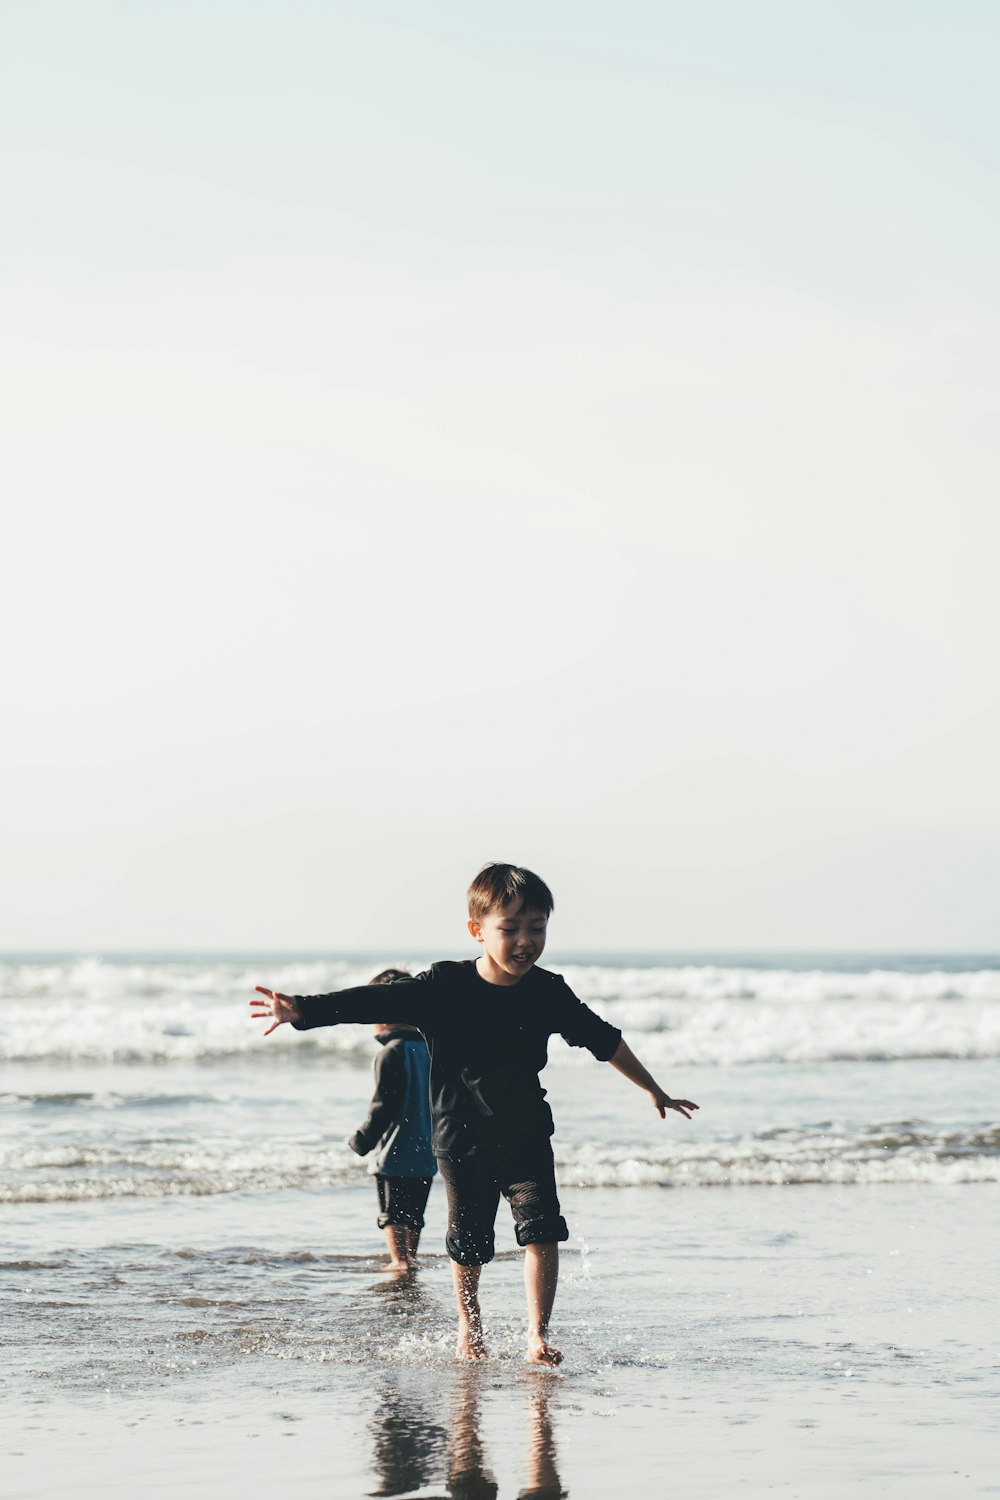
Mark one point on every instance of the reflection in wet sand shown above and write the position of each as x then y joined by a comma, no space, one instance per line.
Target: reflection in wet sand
412,1451
543,1475
409,1449
469,1477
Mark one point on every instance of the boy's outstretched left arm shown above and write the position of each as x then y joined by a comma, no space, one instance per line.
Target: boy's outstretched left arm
625,1060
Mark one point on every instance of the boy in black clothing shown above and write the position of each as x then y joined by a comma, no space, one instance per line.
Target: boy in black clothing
487,1023
398,1129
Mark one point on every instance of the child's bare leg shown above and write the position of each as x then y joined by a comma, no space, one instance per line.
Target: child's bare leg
470,1323
541,1274
396,1239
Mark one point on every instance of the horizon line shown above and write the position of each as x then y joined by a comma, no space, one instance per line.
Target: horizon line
98,950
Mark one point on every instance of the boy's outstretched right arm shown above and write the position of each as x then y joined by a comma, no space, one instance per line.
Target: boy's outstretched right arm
282,1007
360,1004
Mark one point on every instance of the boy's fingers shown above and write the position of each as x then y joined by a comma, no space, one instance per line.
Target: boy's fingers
262,991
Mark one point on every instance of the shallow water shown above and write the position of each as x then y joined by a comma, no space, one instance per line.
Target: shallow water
797,1339
793,1293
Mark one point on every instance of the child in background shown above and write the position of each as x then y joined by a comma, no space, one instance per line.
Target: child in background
399,1127
487,1023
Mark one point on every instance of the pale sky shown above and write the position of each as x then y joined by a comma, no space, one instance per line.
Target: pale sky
558,432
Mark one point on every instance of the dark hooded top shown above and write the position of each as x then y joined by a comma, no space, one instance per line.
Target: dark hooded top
398,1126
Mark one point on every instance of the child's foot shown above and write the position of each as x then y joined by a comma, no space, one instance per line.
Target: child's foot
541,1353
396,1267
470,1343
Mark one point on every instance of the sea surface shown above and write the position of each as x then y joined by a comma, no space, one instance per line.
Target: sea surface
794,1292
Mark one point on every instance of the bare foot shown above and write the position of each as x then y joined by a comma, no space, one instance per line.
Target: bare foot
396,1267
541,1353
470,1343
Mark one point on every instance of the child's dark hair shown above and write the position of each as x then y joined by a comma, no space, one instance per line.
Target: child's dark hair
498,885
389,976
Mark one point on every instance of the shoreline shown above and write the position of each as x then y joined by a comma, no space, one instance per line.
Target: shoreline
780,1343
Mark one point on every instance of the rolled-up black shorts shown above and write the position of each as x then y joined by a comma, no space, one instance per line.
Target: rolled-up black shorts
402,1201
526,1176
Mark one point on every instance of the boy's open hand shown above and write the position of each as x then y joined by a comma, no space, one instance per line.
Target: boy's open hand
281,1007
663,1102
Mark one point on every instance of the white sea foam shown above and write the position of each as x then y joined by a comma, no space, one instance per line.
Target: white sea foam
834,1154
96,1010
794,1156
707,982
115,980
58,1172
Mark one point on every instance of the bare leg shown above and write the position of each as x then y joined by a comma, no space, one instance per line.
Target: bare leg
396,1239
470,1323
412,1241
541,1273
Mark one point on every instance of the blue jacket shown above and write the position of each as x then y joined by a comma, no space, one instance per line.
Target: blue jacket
398,1126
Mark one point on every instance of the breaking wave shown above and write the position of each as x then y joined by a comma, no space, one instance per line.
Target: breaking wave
827,1153
100,1010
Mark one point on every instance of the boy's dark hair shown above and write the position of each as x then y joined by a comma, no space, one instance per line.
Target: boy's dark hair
498,885
389,976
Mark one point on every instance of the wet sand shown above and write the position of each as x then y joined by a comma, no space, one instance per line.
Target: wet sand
785,1342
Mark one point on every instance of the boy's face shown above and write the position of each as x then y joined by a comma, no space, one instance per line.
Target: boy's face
512,942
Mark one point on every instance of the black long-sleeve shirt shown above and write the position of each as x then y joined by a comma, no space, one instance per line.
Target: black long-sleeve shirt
487,1042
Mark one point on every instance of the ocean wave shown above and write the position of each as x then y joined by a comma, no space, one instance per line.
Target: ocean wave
713,982
94,1010
98,978
671,1033
727,1033
121,979
61,1173
829,1154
